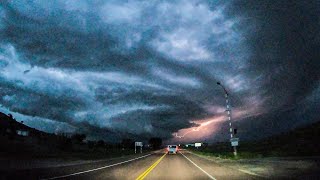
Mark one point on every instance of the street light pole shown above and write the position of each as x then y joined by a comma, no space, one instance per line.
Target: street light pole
228,110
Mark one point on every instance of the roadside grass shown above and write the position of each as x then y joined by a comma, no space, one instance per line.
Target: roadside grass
17,149
253,150
247,151
85,155
229,155
76,155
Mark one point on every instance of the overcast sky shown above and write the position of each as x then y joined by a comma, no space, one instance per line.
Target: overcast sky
135,69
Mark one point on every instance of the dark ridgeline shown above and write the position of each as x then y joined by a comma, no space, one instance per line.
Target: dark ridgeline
12,128
21,141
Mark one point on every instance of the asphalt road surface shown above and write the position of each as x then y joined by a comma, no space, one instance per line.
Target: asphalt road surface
157,165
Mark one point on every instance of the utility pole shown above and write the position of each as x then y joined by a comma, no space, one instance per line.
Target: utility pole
228,110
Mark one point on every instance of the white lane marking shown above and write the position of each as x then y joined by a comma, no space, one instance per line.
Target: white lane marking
82,172
211,177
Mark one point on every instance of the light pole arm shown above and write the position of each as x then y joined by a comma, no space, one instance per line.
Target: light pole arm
224,89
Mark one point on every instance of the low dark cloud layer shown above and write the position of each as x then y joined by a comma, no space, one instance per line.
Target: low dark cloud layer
137,69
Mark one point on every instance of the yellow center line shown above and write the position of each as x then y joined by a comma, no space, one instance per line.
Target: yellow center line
145,173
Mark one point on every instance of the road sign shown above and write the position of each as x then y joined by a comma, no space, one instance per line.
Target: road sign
234,141
197,144
138,144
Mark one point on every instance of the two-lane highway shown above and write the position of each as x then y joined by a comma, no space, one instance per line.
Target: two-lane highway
185,165
159,165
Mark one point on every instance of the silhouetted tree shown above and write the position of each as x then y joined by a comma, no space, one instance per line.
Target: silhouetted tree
155,142
79,137
100,143
90,144
12,128
127,143
65,144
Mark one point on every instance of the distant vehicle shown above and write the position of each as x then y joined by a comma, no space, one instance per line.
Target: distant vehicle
172,149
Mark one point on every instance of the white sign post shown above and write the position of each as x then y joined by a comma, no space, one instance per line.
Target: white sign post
138,144
234,142
197,145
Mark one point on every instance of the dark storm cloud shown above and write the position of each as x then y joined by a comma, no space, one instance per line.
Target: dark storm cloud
116,69
284,40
